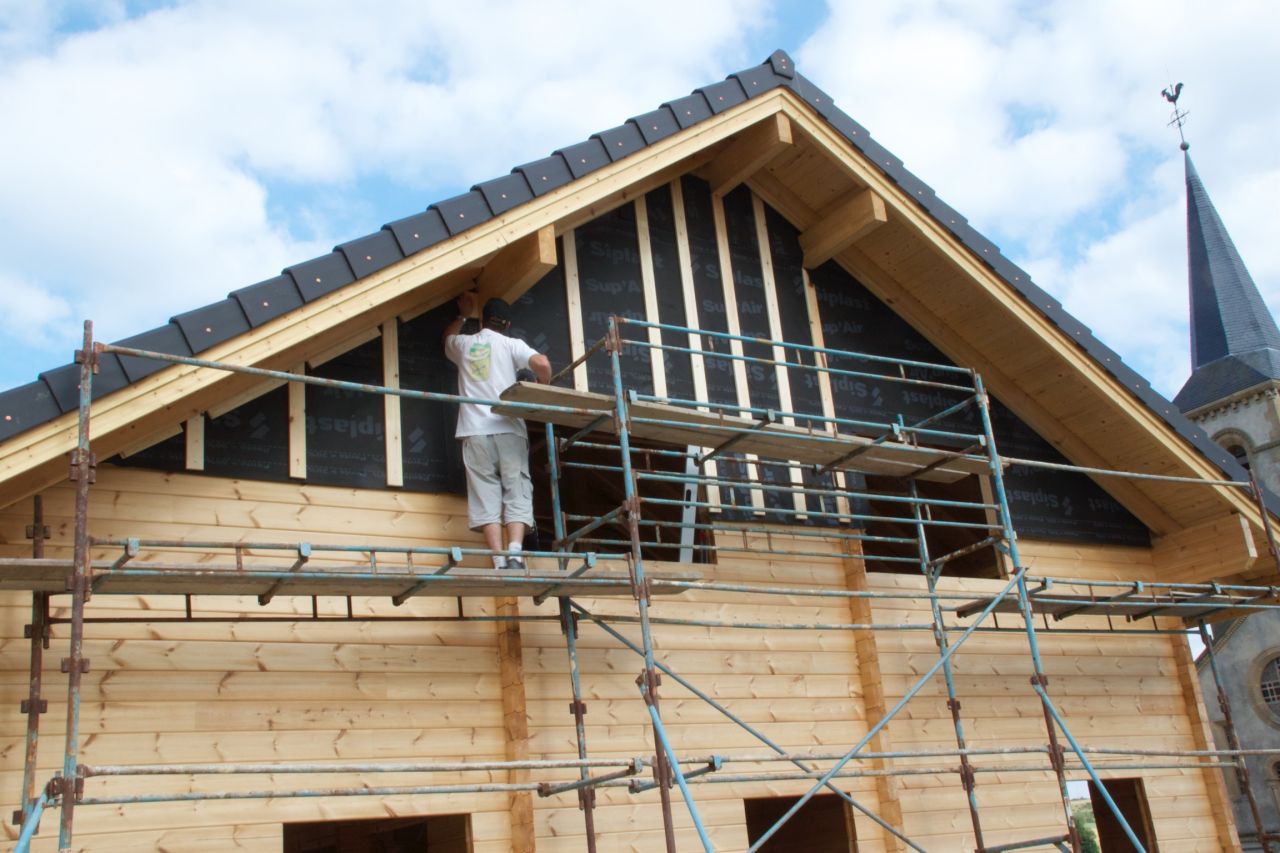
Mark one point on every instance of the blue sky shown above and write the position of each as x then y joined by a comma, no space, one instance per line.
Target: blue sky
168,153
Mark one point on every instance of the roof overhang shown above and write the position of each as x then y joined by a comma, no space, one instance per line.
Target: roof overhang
949,289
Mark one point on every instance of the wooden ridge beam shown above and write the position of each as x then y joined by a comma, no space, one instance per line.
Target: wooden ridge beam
848,221
519,266
750,152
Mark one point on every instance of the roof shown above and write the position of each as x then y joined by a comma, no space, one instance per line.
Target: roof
247,308
1235,343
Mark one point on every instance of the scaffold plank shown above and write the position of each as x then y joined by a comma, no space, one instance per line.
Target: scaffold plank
681,426
162,578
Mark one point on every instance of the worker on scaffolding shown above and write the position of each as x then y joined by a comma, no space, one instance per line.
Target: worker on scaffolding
495,448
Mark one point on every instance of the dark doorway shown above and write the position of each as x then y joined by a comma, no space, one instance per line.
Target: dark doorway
1130,796
824,824
438,834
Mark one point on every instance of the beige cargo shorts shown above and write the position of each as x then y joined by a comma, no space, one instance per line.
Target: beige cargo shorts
499,490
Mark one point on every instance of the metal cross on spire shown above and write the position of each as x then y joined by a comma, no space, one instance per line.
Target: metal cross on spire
1171,95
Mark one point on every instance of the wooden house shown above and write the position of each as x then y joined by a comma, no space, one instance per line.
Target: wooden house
278,635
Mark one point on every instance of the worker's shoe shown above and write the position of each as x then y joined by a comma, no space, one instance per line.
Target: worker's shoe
515,564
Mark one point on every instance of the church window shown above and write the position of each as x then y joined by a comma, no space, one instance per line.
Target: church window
1270,685
1240,453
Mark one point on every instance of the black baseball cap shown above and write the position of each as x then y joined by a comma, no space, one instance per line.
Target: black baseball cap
497,309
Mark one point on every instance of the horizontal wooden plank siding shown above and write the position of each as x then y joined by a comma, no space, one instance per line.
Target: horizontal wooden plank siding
306,691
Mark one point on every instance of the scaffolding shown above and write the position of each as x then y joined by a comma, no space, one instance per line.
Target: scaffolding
737,467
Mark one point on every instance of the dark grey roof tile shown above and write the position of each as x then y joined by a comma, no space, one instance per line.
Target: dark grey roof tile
782,64
621,140
321,275
502,194
723,95
268,299
585,157
417,232
815,97
463,211
212,324
656,125
167,339
546,174
690,109
64,381
760,79
371,253
25,407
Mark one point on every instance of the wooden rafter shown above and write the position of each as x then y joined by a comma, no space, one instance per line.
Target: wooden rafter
754,149
519,266
853,218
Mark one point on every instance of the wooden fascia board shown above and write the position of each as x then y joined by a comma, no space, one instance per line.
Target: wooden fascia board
31,460
519,266
1186,459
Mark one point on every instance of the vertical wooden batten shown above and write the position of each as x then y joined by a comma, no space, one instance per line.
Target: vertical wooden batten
515,722
871,680
573,295
780,354
696,364
298,426
391,403
658,359
735,328
195,443
824,378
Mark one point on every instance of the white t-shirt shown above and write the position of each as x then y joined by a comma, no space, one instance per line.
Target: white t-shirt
487,364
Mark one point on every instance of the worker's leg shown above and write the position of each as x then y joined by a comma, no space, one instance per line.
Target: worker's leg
517,488
484,491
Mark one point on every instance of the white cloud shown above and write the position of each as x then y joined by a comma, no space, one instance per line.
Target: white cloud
162,158
170,157
1042,123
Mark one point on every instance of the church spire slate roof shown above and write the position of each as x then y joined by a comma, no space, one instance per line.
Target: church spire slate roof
1235,343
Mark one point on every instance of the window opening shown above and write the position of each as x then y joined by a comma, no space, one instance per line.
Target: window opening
436,834
1269,684
1130,797
823,825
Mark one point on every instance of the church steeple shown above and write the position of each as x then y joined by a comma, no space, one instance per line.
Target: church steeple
1235,343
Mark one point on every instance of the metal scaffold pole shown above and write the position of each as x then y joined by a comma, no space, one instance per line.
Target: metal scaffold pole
631,417
649,679
967,779
35,704
83,467
569,627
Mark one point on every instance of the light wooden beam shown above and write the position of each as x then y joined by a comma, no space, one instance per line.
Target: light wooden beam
871,680
733,321
519,266
573,297
658,357
515,723
1214,550
195,443
238,400
149,441
391,403
298,426
845,224
342,348
750,152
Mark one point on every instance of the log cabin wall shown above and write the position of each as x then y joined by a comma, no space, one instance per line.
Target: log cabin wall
300,691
